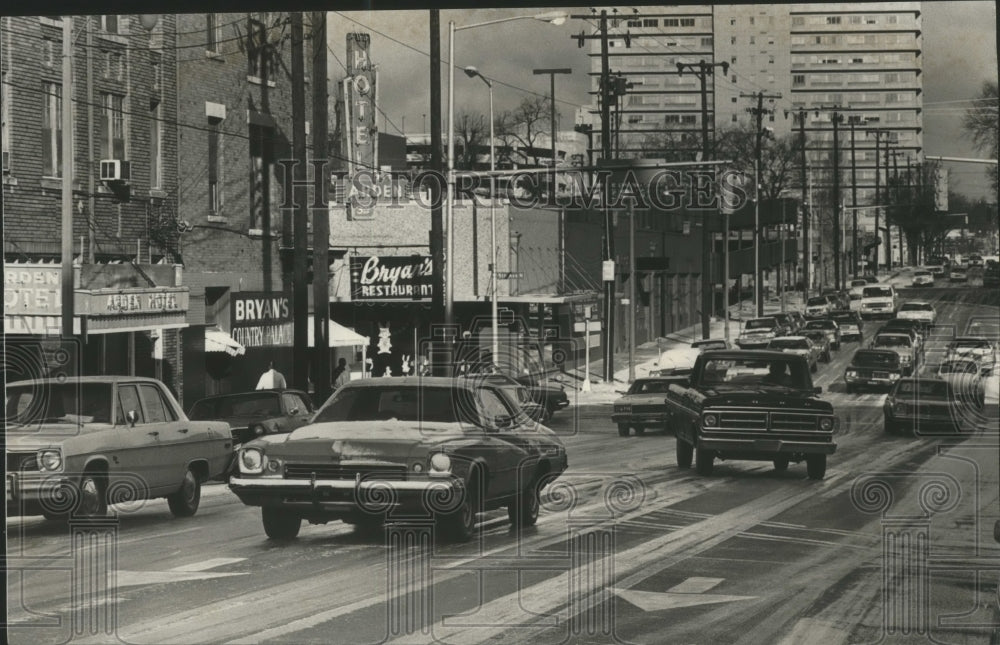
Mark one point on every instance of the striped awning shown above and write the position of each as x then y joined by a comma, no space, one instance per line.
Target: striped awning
217,340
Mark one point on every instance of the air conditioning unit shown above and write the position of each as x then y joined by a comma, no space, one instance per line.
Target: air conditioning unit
115,170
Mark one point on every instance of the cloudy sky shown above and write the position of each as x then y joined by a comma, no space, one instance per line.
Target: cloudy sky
959,54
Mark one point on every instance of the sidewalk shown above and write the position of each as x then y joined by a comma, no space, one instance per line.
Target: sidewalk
647,355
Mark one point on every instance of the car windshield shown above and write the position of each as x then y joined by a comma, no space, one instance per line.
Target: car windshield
649,386
51,402
916,306
815,334
922,273
403,403
815,301
958,270
788,343
820,324
761,323
252,404
959,367
756,372
858,283
926,389
877,292
971,344
864,358
893,340
848,319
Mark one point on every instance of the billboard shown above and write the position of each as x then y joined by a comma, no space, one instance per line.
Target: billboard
391,278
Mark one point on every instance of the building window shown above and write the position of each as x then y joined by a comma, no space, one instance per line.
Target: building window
157,68
5,99
734,118
855,20
798,79
110,24
212,32
260,177
112,126
733,79
687,22
214,196
798,21
117,69
891,20
630,23
734,99
49,52
770,60
706,41
732,40
732,61
51,130
155,147
732,22
671,22
833,20
751,20
650,22
256,48
753,40
892,77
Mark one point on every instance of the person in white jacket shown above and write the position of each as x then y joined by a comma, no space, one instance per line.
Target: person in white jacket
272,379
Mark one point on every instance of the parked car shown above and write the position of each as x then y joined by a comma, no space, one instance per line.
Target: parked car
958,274
938,265
758,332
850,324
818,306
643,405
991,274
408,444
873,368
975,260
253,414
755,405
676,362
76,444
800,346
827,326
857,286
922,278
903,344
977,348
820,340
551,396
879,301
528,408
837,299
922,312
870,279
710,343
923,405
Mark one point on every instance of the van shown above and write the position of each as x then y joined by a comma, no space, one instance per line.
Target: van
879,301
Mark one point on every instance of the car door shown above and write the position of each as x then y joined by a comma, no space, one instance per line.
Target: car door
173,448
297,411
504,452
134,463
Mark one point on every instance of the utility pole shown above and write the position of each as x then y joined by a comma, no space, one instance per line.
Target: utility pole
437,220
608,329
878,133
66,273
300,292
703,70
836,117
800,116
888,227
758,113
896,204
321,217
552,118
854,120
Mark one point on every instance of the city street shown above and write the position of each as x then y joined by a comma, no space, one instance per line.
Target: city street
895,543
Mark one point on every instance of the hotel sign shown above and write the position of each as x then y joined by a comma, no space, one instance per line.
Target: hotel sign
261,319
360,100
391,278
32,289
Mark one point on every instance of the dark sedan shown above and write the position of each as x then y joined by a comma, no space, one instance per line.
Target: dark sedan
923,406
254,414
551,397
873,368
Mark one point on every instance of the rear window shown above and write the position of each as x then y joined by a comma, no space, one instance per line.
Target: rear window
877,292
959,367
761,323
264,404
929,389
798,343
893,340
814,301
649,386
875,359
915,306
821,324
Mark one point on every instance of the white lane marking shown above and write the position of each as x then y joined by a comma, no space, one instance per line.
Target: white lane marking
659,601
696,585
204,565
137,578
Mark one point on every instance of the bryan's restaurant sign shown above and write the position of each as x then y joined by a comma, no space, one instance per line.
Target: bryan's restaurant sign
392,278
261,319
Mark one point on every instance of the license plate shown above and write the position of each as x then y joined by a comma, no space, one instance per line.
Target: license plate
873,383
11,483
767,445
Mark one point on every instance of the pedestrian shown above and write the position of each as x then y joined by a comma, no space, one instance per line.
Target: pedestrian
272,379
340,375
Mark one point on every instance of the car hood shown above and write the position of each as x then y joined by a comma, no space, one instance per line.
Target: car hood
765,397
245,421
756,332
914,315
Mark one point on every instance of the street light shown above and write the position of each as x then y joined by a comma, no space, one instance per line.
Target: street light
553,17
472,72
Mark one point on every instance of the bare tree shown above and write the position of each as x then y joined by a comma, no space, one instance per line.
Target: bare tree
779,157
473,131
980,125
522,128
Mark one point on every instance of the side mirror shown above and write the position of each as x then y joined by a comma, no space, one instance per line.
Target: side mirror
132,417
502,421
293,411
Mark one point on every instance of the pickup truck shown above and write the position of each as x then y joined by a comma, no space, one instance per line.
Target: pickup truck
753,405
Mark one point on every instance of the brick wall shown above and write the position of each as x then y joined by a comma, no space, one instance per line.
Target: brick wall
32,202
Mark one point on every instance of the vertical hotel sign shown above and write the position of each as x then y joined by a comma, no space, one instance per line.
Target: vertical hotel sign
360,92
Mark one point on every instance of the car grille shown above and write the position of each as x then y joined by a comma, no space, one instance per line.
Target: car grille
646,409
880,375
776,421
21,461
338,471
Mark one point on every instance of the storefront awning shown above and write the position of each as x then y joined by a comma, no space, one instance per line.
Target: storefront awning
217,340
339,336
547,298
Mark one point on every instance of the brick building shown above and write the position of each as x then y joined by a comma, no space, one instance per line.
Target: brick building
128,305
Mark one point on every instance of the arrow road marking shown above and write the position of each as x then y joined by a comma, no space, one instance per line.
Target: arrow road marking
689,593
193,571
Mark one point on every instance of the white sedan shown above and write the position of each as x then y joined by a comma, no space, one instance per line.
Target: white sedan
923,278
976,348
918,310
965,376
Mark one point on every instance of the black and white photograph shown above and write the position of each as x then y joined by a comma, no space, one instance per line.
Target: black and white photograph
361,324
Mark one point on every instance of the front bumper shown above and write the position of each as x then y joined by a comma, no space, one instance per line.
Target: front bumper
34,493
765,448
344,497
639,418
869,314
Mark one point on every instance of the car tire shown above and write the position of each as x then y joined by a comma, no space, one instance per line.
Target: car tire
704,461
780,464
185,502
639,430
622,429
523,512
280,523
460,525
814,367
816,466
827,357
92,500
685,452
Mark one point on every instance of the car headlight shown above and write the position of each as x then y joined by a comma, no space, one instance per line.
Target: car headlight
49,460
850,374
252,461
826,424
893,376
905,358
440,463
273,466
259,430
710,420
